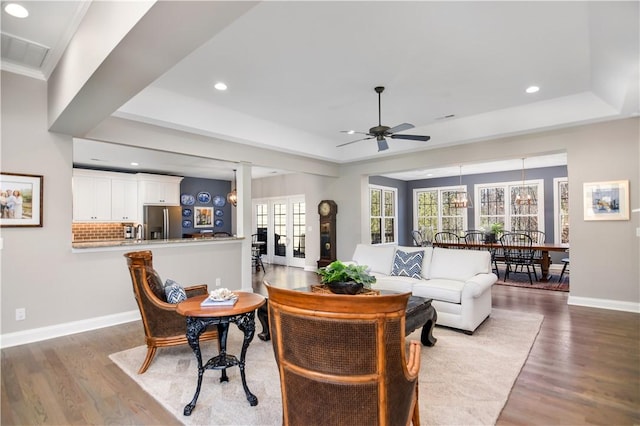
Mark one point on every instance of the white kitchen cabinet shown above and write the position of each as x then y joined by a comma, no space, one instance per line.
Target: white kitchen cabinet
158,189
124,199
91,197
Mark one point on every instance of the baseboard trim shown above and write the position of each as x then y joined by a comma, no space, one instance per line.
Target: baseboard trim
616,305
44,333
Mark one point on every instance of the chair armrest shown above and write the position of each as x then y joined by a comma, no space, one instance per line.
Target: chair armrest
413,364
478,284
196,290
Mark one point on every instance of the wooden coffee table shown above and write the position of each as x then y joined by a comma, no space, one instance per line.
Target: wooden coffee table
198,319
419,313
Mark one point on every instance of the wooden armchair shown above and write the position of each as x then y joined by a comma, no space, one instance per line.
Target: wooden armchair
342,360
162,325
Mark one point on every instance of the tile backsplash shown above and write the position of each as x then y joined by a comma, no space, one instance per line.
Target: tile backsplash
97,231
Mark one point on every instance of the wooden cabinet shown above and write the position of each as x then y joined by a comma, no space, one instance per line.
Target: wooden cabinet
124,199
91,197
158,189
102,196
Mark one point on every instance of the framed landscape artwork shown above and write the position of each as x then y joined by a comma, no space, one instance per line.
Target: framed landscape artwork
606,200
20,200
203,217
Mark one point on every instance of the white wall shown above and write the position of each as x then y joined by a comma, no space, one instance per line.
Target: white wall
38,270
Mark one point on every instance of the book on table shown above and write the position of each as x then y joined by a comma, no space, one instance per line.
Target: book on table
208,302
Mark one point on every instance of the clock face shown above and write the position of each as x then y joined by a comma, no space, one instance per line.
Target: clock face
325,209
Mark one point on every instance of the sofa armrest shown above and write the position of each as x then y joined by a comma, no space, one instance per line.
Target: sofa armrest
478,284
196,290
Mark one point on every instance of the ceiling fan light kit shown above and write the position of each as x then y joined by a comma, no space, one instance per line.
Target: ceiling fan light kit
380,132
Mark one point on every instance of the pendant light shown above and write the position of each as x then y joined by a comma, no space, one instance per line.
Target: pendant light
460,199
232,197
524,197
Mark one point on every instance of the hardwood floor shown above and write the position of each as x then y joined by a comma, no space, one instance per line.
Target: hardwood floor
584,368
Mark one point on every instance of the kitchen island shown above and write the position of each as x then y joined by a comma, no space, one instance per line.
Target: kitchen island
137,244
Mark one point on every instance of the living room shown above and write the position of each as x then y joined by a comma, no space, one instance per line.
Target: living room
65,292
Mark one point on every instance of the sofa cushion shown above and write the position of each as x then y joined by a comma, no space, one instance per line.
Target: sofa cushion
393,283
440,289
379,258
453,264
426,259
407,264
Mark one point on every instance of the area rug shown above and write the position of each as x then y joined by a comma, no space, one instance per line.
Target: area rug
463,379
521,279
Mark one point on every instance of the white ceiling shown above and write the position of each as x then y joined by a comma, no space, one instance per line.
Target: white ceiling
300,72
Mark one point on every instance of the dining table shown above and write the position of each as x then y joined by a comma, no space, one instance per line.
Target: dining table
544,248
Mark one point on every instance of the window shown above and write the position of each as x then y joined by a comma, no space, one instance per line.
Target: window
382,207
495,203
435,211
561,210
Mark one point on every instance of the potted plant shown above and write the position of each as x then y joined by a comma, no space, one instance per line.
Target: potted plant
495,230
344,278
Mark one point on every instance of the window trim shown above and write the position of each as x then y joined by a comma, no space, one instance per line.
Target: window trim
508,185
440,190
395,209
557,223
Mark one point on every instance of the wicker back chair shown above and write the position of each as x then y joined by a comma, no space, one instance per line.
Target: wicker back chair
163,326
342,358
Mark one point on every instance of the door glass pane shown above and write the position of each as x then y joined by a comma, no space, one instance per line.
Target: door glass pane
261,225
299,225
280,229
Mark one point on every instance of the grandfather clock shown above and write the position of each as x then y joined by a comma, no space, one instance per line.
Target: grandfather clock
327,209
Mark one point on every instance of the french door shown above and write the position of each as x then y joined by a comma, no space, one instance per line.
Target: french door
283,220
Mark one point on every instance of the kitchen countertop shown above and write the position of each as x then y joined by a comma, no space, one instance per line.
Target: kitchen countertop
115,244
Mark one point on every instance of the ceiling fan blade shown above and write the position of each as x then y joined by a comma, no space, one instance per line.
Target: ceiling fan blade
411,137
357,140
400,128
382,144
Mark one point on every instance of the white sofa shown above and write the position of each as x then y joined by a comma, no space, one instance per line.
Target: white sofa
458,281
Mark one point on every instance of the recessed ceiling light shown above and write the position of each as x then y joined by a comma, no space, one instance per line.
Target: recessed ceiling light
220,86
532,89
16,10
350,132
134,163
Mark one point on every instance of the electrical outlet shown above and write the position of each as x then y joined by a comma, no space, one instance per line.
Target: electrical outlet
21,314
218,282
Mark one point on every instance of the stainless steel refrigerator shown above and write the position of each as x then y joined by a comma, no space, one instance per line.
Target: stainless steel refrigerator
161,222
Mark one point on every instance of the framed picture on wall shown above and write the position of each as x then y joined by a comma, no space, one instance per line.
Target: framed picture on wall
606,200
20,200
203,217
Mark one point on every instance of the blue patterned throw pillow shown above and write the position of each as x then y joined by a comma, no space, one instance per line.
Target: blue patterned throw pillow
174,293
408,264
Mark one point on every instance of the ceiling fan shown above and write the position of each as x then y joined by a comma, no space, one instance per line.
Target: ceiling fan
380,132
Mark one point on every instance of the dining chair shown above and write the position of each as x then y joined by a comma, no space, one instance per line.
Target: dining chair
565,266
445,237
518,252
538,237
417,238
475,241
256,256
342,359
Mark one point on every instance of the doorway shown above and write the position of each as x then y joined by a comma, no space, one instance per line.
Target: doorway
281,223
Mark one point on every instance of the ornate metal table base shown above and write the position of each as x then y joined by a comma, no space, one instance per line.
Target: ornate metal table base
420,313
222,361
